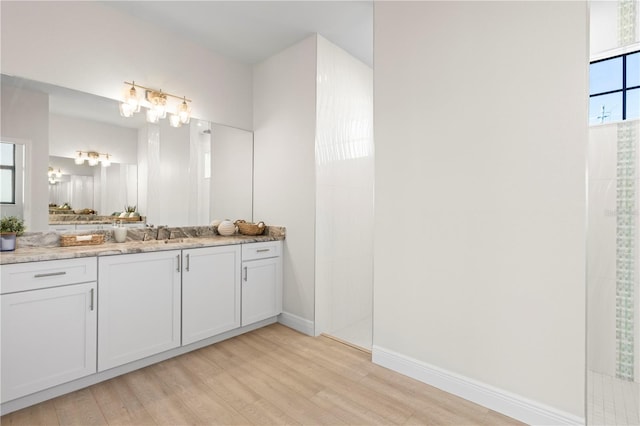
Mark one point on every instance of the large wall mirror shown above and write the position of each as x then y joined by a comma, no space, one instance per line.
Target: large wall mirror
174,176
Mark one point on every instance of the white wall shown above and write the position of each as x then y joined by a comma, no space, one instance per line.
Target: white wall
481,134
91,47
605,25
344,196
25,120
68,135
284,183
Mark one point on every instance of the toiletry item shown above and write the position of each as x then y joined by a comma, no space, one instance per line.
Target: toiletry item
120,234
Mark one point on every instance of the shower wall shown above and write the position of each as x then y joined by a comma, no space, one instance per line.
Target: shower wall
344,196
613,250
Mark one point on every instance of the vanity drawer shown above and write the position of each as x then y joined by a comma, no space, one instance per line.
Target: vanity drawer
51,273
264,250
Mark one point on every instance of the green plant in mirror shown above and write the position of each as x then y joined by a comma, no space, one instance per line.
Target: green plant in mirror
9,224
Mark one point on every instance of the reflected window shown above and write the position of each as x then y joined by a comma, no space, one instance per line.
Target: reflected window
7,173
614,89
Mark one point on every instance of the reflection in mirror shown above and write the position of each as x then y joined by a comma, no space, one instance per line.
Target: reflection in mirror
231,173
176,176
103,189
222,161
12,179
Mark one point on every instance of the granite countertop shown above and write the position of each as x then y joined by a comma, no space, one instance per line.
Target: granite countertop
48,247
89,219
92,222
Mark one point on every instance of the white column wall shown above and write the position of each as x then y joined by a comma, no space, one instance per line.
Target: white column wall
344,196
481,135
284,183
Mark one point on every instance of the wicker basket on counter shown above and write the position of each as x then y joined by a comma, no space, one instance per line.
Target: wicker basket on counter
81,240
246,228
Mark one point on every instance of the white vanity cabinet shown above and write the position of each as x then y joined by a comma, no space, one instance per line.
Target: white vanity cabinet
210,292
48,331
261,281
139,306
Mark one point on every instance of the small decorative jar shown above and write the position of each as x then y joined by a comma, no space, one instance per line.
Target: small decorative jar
227,228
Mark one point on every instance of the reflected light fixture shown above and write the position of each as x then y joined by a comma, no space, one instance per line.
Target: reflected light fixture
93,158
53,175
155,101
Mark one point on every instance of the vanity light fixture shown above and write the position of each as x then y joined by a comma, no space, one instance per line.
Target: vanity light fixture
93,158
155,101
53,175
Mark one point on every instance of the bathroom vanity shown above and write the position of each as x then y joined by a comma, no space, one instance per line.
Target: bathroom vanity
75,316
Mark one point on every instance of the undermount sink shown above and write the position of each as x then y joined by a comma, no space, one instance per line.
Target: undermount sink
166,241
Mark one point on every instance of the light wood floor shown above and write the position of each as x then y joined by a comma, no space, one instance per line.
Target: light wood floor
273,375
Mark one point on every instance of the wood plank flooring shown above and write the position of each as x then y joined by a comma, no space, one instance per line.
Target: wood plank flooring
270,376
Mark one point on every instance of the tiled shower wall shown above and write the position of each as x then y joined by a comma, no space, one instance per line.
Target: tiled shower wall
344,195
626,247
613,242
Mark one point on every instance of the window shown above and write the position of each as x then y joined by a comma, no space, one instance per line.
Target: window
7,173
614,89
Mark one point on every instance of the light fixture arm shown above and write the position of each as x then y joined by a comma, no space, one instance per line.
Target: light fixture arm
154,91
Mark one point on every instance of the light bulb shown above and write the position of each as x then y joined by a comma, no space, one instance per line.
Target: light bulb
93,158
106,162
174,120
152,116
126,110
184,112
58,174
79,160
160,108
132,99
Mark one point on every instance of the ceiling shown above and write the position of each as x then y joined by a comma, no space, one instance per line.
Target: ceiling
251,31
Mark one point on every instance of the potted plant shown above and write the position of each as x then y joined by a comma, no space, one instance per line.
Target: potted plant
10,228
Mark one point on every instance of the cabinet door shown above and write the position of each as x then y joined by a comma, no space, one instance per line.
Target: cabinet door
261,289
138,306
210,292
48,338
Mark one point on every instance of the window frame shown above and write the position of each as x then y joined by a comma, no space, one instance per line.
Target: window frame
624,89
12,169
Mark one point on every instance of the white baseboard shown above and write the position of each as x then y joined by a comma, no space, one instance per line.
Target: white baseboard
509,404
297,323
